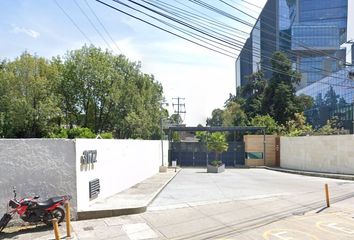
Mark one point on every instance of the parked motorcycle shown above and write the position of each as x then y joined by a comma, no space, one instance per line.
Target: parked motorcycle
33,211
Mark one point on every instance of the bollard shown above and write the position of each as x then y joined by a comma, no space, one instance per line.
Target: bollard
327,195
67,214
56,228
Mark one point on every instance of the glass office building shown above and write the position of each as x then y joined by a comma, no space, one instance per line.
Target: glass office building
312,33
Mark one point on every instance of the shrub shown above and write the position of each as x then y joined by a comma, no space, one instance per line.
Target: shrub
81,133
107,135
216,163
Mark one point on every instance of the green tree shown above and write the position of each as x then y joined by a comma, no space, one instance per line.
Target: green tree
176,119
29,107
233,115
253,92
265,121
217,143
216,119
108,93
279,98
297,126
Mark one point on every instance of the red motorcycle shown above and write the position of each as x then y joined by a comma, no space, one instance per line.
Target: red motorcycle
33,211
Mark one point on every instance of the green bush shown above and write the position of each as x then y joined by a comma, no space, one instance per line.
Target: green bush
81,133
216,163
107,135
59,133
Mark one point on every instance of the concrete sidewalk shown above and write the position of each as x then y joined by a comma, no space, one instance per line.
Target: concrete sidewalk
131,201
312,174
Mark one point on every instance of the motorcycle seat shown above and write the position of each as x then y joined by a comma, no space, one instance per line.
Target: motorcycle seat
50,202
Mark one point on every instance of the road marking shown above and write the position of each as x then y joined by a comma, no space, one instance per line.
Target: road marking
336,227
139,231
288,234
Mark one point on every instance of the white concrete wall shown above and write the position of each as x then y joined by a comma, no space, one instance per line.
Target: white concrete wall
120,165
332,154
36,166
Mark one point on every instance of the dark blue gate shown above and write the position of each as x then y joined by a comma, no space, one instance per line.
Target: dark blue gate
194,154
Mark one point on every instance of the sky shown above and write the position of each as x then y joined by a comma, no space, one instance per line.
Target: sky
204,78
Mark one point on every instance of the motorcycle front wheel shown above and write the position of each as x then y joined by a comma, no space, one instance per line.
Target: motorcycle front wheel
57,213
4,221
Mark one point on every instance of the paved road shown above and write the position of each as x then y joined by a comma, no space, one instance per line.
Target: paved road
238,204
195,187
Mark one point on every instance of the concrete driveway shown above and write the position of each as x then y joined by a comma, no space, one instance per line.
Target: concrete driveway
193,187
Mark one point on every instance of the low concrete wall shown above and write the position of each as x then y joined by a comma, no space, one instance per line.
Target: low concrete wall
120,165
330,154
48,167
44,167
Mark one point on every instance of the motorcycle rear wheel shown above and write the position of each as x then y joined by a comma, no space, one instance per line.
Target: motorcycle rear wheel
57,213
4,221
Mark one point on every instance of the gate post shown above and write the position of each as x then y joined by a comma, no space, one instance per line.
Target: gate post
264,147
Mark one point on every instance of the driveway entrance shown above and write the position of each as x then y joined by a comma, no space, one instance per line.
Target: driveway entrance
195,154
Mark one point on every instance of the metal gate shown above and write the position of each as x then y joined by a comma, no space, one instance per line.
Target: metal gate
195,154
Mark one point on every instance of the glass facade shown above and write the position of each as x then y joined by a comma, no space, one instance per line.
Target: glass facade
333,97
311,33
315,37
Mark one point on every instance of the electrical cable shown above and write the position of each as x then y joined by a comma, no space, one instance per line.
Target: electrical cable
181,22
72,21
158,27
93,25
103,27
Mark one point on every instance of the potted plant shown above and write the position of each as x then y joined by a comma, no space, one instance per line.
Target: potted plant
216,142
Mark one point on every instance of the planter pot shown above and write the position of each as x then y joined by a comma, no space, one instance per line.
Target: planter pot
215,169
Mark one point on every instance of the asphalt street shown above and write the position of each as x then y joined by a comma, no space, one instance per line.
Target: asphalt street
237,204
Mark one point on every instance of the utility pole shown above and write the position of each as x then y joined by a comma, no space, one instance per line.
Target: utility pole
181,107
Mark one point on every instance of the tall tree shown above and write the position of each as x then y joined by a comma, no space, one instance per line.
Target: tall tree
109,93
28,101
233,115
253,92
216,119
279,98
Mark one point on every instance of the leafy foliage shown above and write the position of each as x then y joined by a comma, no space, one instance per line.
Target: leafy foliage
265,121
72,133
88,88
273,104
216,163
216,142
279,97
297,126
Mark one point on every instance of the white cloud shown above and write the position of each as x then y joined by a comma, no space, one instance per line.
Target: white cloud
29,32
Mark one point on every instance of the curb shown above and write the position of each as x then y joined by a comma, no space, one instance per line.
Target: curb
162,188
313,174
87,215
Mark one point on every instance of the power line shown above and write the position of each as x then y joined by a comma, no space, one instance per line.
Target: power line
212,8
165,30
93,25
192,27
103,27
189,40
72,21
